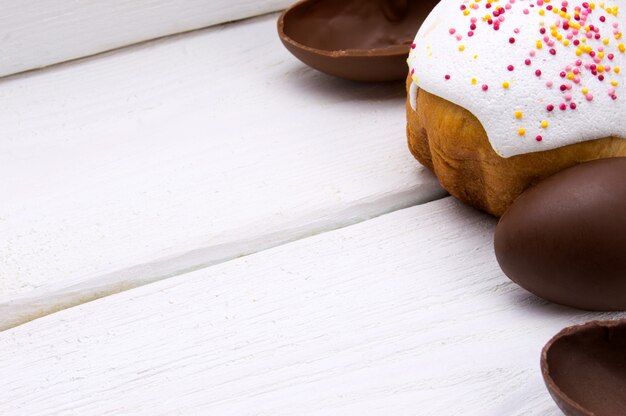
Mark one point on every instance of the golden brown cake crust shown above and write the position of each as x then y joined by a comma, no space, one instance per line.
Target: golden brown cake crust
451,142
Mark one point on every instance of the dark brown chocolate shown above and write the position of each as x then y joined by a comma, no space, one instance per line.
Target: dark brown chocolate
584,368
565,239
361,40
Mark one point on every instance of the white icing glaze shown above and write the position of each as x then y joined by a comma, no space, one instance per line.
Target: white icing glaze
478,68
413,96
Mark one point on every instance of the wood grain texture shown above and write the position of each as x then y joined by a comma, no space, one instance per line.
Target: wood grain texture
185,152
406,314
38,33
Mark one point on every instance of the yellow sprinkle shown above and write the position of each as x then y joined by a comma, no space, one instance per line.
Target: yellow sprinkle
506,85
614,83
579,52
585,91
616,70
466,12
544,124
475,56
521,132
461,48
474,81
518,115
566,42
621,48
571,76
539,44
541,12
605,41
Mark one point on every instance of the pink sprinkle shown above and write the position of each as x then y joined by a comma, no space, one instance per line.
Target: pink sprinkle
510,67
539,138
572,106
568,97
550,107
538,73
589,97
485,87
452,31
511,40
527,61
549,84
447,77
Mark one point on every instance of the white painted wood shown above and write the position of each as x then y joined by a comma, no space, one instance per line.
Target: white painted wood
38,33
182,153
406,314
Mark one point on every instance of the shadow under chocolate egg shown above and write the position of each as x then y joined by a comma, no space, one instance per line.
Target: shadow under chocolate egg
362,40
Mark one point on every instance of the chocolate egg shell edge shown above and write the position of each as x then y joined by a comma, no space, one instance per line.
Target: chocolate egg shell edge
354,39
584,368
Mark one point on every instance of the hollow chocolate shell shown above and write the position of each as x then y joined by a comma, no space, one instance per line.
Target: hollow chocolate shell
565,239
584,368
361,40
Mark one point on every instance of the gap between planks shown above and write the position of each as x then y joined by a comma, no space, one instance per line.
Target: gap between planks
404,314
37,34
183,153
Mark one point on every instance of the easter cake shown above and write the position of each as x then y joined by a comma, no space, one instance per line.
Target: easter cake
504,93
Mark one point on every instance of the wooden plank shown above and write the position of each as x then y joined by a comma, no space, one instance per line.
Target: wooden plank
401,315
38,33
175,155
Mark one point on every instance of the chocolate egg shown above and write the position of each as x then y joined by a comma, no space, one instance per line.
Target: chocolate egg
584,368
361,40
565,239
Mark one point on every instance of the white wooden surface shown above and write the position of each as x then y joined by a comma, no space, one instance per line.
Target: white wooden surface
181,153
406,314
37,33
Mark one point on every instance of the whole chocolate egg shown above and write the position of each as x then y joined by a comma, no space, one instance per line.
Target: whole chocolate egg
565,239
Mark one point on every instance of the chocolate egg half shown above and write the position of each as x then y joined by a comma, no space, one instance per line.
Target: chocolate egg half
565,239
584,368
361,40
